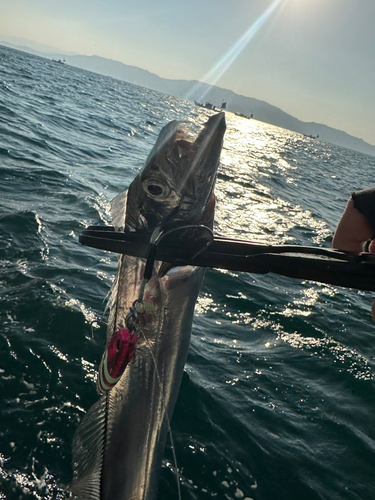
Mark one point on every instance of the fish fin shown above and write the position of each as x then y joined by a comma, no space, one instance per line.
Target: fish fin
118,210
112,294
88,452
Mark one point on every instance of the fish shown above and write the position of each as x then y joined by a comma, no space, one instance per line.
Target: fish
118,447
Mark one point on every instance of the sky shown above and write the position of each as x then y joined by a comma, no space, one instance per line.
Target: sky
314,59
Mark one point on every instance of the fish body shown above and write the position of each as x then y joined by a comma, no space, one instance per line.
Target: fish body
118,447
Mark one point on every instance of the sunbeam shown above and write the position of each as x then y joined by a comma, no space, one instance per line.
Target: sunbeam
200,90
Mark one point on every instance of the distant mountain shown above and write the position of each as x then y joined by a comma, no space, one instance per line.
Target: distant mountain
30,46
194,90
261,110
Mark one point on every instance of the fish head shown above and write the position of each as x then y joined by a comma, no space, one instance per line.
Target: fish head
177,182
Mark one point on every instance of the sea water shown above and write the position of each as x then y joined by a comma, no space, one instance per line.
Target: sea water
277,399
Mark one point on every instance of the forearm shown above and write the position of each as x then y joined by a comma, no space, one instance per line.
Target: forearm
353,230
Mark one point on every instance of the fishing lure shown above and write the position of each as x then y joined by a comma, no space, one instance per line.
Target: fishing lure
118,353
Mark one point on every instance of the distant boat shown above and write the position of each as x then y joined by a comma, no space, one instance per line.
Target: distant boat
223,105
60,61
311,136
244,116
237,113
206,105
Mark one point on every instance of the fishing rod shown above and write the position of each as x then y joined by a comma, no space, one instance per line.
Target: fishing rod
196,245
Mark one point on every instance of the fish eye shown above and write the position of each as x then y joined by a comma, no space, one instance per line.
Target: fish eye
154,189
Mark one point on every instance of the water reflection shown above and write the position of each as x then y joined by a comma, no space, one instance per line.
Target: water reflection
254,170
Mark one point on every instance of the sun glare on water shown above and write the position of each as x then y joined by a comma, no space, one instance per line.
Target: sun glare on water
247,192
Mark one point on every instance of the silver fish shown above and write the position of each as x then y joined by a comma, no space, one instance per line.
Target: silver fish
119,445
